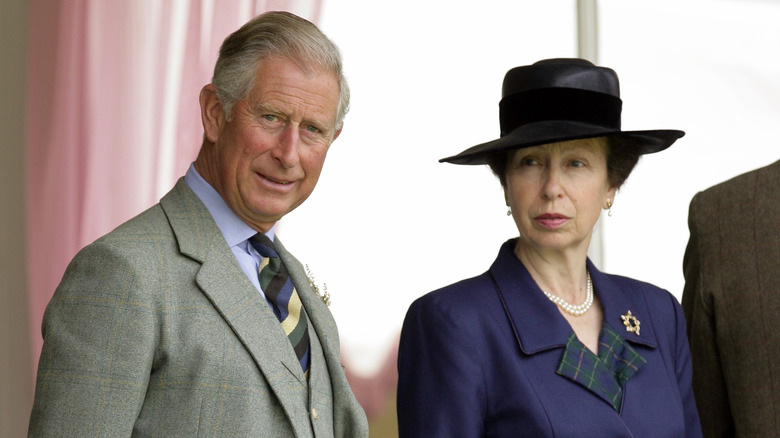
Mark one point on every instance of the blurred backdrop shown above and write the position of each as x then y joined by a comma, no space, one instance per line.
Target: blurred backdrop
99,117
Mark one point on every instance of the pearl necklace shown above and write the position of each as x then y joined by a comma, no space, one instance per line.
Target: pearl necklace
571,309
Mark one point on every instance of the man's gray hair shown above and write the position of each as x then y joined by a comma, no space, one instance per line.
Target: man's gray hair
280,35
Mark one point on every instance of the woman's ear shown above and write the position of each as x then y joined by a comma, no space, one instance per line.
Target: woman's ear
611,194
607,205
211,114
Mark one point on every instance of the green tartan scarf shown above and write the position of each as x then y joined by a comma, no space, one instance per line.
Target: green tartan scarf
606,374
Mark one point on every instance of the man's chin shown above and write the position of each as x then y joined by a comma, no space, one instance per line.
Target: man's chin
270,213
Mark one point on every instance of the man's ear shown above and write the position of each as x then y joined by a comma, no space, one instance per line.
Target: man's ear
211,113
338,132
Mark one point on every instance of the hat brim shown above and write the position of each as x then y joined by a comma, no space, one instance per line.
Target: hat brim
540,133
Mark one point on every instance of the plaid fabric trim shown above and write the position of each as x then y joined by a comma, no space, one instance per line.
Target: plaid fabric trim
606,374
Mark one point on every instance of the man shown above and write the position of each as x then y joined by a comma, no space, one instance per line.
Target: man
731,300
170,325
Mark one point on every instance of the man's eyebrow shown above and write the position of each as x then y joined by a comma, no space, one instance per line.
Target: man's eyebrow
262,107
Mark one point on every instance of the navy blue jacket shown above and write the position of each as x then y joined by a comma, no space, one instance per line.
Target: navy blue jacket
478,359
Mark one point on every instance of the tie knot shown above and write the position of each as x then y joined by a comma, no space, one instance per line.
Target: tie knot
263,245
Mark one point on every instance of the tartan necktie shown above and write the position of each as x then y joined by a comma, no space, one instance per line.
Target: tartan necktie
282,297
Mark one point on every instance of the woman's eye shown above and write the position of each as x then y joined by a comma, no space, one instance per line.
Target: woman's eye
577,163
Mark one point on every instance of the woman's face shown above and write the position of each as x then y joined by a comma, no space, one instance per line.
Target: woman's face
557,191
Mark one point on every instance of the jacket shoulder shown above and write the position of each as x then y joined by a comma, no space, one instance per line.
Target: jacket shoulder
156,219
463,291
455,302
136,252
659,301
741,186
635,284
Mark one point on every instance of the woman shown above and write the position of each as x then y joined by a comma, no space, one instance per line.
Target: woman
543,344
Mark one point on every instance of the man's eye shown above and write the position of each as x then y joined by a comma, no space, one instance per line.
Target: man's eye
270,117
312,128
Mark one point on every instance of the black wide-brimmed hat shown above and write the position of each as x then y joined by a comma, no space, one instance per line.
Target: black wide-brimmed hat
557,100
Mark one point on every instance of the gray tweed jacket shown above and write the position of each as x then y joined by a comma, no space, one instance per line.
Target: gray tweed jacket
155,331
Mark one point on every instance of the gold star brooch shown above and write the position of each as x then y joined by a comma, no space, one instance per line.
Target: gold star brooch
631,323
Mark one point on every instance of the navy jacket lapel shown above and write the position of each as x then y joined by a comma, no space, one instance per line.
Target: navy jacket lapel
538,323
618,298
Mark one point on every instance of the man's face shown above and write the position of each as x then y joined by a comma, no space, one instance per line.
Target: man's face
267,159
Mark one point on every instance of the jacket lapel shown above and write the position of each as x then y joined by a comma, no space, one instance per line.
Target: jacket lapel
235,298
247,313
618,298
538,324
536,321
348,416
319,315
315,308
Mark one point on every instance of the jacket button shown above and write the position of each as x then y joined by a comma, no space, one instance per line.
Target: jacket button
314,413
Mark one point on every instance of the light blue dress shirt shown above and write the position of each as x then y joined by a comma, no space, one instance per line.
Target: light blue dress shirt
236,231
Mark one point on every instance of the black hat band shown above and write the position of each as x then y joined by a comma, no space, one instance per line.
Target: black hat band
545,104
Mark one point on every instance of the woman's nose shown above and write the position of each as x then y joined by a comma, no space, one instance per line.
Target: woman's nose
552,183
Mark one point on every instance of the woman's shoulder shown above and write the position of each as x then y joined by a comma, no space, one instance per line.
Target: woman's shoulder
458,299
654,296
466,289
659,305
635,283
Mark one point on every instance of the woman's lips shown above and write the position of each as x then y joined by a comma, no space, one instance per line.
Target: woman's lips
551,220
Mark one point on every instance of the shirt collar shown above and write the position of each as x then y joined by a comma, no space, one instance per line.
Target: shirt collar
232,227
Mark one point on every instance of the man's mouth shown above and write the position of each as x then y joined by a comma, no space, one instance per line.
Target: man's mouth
276,181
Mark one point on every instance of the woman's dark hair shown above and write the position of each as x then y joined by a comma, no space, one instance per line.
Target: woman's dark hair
622,156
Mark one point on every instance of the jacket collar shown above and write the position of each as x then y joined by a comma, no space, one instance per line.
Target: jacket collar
538,324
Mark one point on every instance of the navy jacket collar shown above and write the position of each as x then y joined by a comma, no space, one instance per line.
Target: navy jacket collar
538,324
